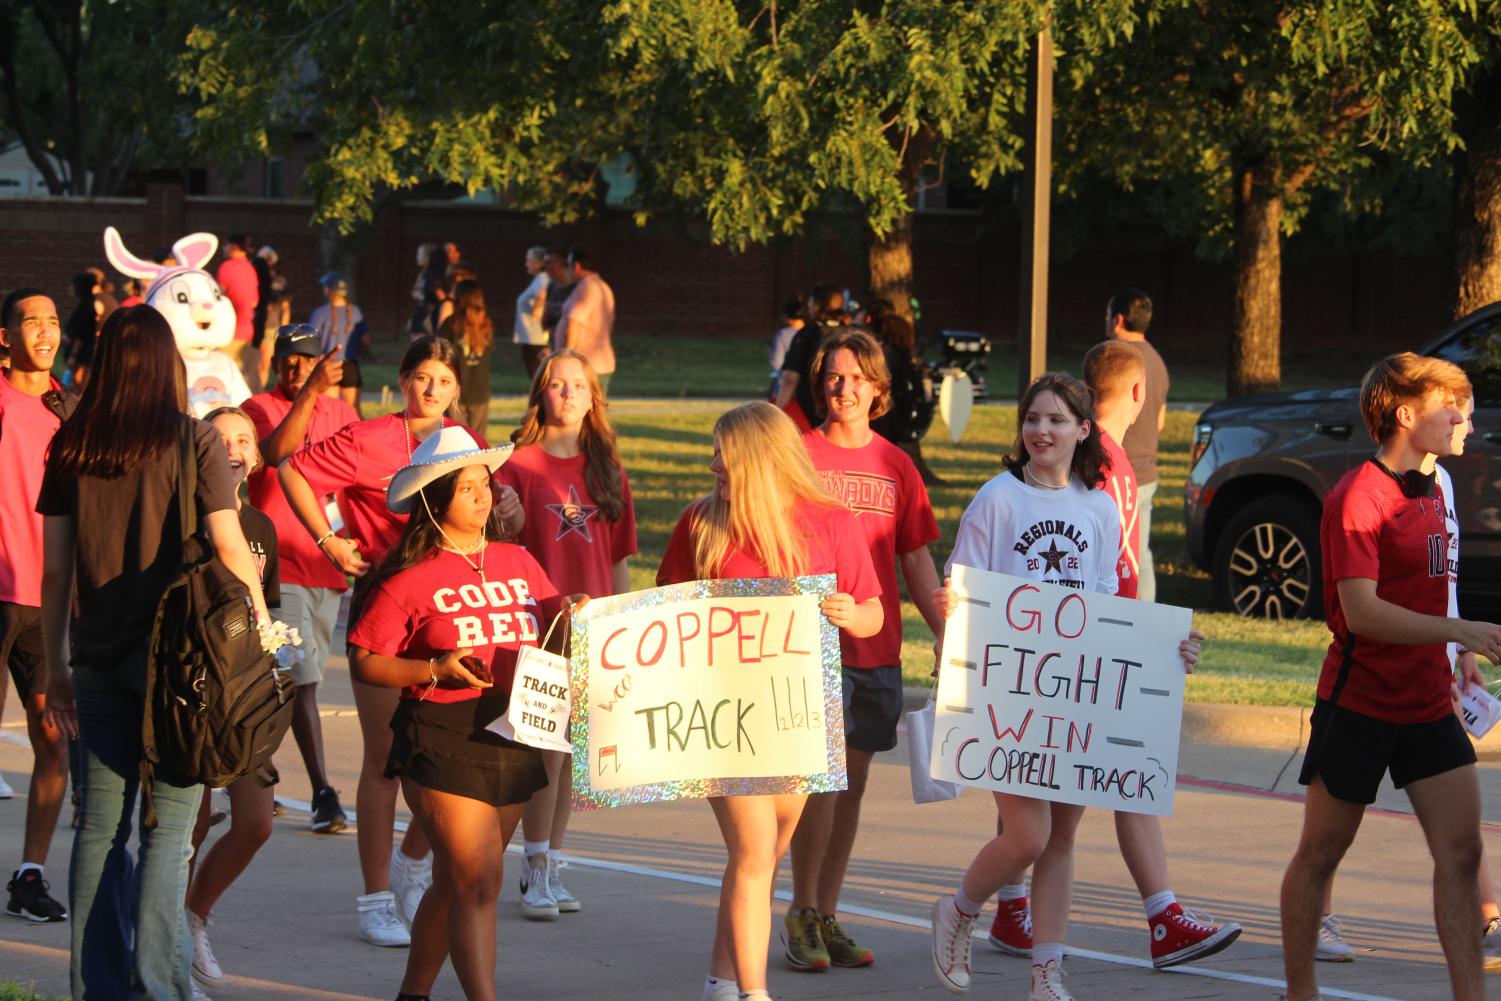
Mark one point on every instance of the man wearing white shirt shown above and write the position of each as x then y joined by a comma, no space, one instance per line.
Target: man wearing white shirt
588,318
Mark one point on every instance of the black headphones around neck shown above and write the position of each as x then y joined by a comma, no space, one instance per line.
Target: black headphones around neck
1414,483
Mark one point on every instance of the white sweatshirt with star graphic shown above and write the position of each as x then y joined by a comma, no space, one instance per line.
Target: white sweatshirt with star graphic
1070,537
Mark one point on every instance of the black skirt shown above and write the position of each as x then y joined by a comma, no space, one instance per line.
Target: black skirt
444,746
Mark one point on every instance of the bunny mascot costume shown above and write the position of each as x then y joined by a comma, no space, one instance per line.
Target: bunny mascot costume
201,316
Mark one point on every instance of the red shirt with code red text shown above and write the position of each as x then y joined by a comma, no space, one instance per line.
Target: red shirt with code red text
302,562
835,545
1370,530
1120,484
360,460
442,604
882,488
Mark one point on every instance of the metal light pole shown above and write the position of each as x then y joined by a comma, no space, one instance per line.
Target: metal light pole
1032,304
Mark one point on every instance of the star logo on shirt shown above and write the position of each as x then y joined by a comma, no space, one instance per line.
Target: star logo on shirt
573,516
1053,557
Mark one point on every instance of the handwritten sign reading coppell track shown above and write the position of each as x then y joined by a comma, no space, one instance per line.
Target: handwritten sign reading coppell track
709,688
1059,694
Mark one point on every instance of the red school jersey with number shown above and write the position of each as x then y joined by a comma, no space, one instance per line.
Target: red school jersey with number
565,530
1370,530
1120,484
27,425
882,488
835,546
442,604
360,460
302,562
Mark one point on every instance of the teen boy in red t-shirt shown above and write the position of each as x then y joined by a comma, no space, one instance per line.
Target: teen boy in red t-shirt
1383,698
878,482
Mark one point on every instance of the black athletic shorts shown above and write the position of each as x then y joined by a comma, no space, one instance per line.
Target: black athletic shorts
872,707
1351,751
445,746
351,378
21,647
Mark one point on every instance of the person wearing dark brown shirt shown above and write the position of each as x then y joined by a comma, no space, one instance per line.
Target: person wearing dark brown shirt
1127,317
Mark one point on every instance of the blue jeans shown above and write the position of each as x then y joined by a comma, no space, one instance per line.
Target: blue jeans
130,933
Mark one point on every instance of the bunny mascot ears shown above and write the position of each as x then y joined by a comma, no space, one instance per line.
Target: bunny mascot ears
192,251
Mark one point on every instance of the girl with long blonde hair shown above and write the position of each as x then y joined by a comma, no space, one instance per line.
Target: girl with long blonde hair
767,516
581,524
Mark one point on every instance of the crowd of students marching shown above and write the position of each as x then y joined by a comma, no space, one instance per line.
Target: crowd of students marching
463,552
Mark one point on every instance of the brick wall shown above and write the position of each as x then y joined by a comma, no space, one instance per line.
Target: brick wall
669,279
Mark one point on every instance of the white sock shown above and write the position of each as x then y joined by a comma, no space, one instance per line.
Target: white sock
536,848
1045,952
1158,902
712,984
403,858
969,908
29,865
1012,891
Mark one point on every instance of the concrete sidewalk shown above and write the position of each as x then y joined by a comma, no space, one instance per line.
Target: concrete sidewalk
648,877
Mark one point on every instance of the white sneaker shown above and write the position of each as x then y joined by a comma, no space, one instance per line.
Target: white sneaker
198,994
6,792
1047,982
536,902
952,937
567,902
205,966
729,991
1332,947
410,879
379,924
1490,945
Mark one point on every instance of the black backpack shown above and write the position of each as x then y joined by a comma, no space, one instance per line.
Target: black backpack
217,707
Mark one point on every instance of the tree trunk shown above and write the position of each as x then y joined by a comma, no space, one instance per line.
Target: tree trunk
890,263
1256,341
1477,223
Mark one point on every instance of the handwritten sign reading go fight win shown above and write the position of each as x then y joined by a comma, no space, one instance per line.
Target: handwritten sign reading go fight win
1059,694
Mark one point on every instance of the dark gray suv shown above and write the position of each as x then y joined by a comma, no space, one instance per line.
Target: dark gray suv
1261,466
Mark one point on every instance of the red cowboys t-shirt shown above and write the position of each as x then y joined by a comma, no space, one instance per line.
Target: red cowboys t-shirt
565,530
1120,484
835,546
882,488
441,605
302,562
1370,530
360,460
26,429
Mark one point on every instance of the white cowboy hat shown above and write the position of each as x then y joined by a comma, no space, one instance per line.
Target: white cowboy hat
451,448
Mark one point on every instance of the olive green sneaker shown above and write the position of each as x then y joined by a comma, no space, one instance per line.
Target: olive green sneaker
802,940
843,950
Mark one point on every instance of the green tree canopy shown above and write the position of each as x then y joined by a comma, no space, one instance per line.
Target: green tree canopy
1253,106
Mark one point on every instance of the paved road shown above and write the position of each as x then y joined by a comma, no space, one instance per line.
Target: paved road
648,880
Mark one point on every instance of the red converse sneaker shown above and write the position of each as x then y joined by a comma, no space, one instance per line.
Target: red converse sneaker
1179,936
1011,931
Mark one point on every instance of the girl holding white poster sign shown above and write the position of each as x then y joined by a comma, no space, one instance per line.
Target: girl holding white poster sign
443,619
767,516
1045,518
581,524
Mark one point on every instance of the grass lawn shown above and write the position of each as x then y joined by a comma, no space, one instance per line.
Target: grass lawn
12,991
665,446
736,367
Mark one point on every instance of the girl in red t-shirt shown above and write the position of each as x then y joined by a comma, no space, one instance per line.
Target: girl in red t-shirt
767,516
581,525
357,464
442,620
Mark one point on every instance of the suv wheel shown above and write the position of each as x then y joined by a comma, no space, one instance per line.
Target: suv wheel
1267,562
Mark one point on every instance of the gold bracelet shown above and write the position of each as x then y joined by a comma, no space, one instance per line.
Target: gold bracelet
432,669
